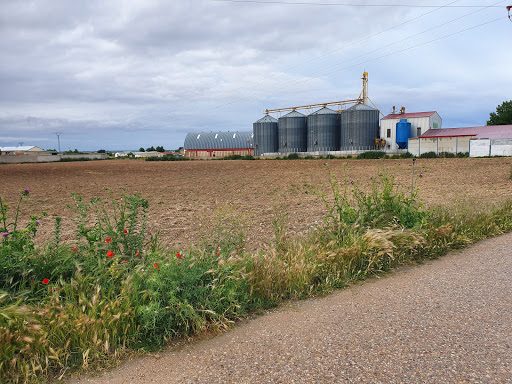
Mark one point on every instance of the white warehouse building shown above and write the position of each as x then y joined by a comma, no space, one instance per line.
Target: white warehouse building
421,122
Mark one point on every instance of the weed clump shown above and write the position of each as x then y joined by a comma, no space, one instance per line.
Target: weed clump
115,288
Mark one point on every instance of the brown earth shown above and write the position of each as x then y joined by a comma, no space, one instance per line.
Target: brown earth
182,195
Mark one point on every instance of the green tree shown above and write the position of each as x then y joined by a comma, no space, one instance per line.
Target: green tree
142,149
160,149
150,149
102,151
503,114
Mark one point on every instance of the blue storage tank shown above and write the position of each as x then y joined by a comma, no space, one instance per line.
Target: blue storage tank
403,133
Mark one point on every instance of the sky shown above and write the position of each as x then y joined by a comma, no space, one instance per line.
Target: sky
125,74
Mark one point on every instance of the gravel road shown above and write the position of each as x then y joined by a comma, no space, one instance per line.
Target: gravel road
446,321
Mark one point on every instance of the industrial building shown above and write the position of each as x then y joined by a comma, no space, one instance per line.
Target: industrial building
492,140
397,128
350,127
218,144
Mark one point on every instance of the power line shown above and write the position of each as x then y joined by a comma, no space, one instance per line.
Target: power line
386,46
230,91
307,78
348,4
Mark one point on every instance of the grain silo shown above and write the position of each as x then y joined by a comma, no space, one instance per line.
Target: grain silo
265,135
292,133
323,131
359,127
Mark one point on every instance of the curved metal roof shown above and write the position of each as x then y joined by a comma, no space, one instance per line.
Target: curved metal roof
219,140
293,114
361,107
267,119
325,111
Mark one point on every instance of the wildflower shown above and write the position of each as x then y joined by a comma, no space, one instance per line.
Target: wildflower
45,281
218,253
325,163
351,181
421,174
156,266
125,261
110,254
5,234
108,240
25,192
75,249
38,222
178,255
125,230
137,254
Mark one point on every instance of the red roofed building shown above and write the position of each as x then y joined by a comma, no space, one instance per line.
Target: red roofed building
492,140
421,122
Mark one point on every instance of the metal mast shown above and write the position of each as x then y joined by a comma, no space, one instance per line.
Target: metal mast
58,138
365,88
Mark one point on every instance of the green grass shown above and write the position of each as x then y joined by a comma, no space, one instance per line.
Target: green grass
117,290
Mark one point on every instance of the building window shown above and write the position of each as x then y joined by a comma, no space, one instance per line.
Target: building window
388,133
418,131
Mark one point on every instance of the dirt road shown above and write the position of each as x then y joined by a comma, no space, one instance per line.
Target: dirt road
447,321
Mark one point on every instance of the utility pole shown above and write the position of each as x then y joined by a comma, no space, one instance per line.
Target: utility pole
58,138
509,7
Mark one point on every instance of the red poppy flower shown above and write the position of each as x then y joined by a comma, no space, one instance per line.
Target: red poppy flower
125,230
75,249
110,254
108,240
218,253
137,254
178,255
45,281
156,266
125,261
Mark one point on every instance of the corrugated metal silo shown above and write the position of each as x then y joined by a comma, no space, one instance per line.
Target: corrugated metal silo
323,131
359,127
265,135
292,133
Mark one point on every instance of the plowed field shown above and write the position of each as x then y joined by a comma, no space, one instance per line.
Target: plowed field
182,194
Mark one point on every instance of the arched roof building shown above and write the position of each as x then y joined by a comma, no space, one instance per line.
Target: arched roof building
219,144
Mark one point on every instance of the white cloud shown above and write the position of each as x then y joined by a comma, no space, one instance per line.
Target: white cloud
143,72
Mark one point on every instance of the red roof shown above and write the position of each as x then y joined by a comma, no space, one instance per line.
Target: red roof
485,132
408,115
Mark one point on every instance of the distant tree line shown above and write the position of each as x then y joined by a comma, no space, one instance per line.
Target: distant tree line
152,149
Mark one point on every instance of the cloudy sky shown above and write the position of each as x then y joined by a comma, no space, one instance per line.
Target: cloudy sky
121,74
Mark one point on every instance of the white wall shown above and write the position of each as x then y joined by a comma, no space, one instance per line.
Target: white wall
424,123
439,144
488,147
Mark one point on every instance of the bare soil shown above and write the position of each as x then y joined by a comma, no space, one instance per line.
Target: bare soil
183,194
